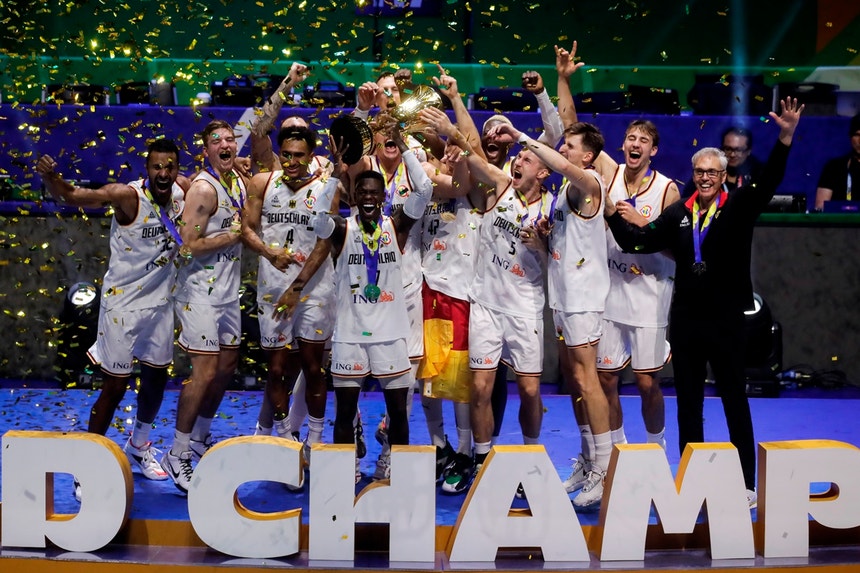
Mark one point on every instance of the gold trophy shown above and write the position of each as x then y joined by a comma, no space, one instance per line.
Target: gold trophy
406,114
356,135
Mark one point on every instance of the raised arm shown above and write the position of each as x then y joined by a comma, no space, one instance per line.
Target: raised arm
774,169
122,197
272,107
566,66
262,157
422,189
448,86
552,128
478,166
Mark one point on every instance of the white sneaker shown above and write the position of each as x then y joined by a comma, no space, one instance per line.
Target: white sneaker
358,475
383,467
145,458
577,477
199,449
592,492
77,488
752,498
179,469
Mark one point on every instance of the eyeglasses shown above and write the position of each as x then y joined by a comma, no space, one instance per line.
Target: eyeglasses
709,173
735,150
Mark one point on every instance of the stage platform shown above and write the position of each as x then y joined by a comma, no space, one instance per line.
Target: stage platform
159,536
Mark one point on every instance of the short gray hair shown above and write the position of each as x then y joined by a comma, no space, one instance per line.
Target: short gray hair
712,152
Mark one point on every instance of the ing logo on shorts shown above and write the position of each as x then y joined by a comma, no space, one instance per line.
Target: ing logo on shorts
481,361
604,360
346,367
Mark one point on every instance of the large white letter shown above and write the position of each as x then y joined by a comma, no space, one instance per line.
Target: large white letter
708,472
407,503
217,515
30,460
486,523
784,503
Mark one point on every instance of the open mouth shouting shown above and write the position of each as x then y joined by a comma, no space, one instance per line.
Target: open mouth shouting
367,210
163,183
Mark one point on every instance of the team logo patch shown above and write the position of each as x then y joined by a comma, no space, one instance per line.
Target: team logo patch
386,238
645,211
403,190
310,201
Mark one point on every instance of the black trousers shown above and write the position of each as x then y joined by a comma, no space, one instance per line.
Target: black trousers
718,340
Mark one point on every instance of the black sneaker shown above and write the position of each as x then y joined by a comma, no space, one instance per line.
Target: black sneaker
458,476
360,444
444,457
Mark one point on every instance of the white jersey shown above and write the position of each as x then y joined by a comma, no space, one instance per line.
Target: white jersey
641,285
509,275
142,268
578,279
450,246
360,320
214,278
285,223
398,186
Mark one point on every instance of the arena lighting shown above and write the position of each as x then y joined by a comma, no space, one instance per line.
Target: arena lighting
77,332
763,349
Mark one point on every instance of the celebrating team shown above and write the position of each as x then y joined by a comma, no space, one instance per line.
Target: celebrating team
434,279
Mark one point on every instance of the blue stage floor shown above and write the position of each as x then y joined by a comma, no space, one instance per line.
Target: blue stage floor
801,414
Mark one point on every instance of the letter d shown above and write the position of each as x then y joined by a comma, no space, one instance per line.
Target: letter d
30,460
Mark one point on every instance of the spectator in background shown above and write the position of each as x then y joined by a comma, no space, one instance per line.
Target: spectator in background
841,173
742,169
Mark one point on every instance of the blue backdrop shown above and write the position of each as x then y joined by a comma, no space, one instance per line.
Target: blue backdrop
106,143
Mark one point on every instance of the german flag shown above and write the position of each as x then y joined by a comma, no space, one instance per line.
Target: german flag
445,366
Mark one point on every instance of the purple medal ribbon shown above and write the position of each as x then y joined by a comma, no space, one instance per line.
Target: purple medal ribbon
162,216
240,204
371,263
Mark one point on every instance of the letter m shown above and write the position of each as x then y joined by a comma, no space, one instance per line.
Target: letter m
709,474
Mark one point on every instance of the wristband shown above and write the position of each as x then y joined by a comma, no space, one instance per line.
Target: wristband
524,139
